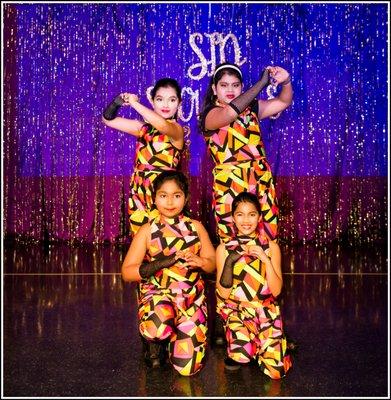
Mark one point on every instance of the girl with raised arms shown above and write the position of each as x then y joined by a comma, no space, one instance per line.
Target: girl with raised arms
160,141
230,123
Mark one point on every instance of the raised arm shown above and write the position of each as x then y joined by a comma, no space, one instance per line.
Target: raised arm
222,116
167,127
268,108
110,118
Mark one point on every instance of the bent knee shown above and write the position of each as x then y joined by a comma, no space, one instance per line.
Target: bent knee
151,331
188,371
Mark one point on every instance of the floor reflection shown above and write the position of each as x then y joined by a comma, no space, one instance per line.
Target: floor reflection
70,329
334,258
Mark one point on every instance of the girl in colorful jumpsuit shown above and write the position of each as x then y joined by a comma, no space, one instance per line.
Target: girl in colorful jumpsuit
230,122
159,143
249,279
172,304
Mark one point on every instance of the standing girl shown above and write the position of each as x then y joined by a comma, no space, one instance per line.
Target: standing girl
159,143
249,279
172,292
230,122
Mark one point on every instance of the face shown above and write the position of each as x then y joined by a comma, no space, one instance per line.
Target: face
170,199
246,218
227,88
166,102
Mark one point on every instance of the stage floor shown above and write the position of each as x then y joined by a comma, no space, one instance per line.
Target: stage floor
70,328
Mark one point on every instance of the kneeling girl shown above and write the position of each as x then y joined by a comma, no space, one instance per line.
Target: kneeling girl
167,256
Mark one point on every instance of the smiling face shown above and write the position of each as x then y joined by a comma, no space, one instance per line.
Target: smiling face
166,102
246,218
227,88
170,199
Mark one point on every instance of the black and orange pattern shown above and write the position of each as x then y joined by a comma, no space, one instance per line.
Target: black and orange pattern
154,153
253,323
239,154
172,302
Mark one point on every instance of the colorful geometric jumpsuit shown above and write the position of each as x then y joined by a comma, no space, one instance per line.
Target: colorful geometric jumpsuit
172,302
253,324
241,166
154,153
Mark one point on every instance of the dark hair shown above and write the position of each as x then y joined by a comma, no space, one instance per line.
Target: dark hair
210,97
179,178
167,82
246,197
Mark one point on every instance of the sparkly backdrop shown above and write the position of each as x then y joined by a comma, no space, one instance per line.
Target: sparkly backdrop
66,175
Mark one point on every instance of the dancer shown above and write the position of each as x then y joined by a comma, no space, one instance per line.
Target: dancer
172,291
230,122
159,144
249,279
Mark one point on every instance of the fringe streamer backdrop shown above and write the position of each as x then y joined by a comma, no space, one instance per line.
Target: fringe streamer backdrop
66,175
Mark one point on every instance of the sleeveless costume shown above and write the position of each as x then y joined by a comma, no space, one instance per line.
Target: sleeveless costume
241,166
172,302
253,323
154,154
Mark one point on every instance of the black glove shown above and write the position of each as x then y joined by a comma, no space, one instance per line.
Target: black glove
241,102
111,110
226,278
146,270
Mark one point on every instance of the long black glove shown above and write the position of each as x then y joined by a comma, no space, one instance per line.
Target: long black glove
111,110
226,278
148,269
241,102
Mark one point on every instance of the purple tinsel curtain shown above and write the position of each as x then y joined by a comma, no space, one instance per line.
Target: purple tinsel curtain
66,176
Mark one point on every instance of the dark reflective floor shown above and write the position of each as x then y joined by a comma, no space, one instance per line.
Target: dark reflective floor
70,330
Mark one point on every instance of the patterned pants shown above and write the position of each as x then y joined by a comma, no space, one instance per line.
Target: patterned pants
249,176
256,333
162,316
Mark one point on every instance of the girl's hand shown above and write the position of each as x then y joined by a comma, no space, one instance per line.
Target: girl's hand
243,249
180,255
257,251
277,74
192,260
129,98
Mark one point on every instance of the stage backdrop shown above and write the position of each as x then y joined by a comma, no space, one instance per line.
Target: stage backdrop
66,175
